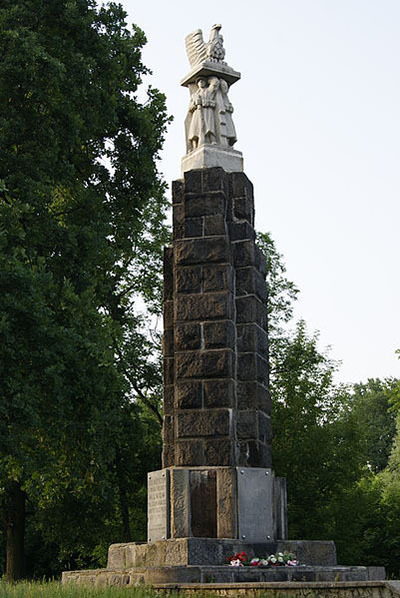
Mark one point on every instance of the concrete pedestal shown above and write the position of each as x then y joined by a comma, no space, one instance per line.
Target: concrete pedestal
210,156
244,503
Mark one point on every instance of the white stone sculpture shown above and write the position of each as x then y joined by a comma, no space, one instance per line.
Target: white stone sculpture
209,128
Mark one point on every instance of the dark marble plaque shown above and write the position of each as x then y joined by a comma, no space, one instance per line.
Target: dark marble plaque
255,504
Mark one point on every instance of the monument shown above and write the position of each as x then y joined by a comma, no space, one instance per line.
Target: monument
216,493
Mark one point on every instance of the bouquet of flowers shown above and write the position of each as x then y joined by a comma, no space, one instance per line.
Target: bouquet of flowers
280,559
240,559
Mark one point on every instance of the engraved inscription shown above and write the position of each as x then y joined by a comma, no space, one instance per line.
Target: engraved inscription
158,505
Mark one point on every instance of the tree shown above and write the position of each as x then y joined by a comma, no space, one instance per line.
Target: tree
317,444
336,445
81,229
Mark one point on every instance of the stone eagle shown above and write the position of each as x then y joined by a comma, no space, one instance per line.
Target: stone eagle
198,51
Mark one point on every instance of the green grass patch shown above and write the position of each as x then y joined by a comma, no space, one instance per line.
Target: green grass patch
54,589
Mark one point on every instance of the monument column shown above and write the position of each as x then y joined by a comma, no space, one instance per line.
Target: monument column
217,430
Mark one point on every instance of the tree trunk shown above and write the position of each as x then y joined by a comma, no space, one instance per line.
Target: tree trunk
15,531
123,503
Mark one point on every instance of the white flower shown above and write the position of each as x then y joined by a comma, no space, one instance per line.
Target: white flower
236,563
272,559
280,553
280,559
255,560
264,562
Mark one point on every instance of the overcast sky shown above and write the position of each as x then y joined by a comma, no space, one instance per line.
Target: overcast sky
317,119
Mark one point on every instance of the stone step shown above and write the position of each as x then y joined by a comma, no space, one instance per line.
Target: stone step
366,589
214,551
221,574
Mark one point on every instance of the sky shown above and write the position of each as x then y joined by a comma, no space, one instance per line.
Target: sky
317,119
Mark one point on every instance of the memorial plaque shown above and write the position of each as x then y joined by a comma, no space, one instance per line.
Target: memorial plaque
255,504
158,505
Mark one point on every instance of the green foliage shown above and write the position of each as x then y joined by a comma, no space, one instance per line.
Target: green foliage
332,443
81,234
281,291
372,410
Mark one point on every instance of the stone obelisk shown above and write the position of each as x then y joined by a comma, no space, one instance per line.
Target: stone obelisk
217,430
216,494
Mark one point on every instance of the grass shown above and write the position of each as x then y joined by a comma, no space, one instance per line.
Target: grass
54,589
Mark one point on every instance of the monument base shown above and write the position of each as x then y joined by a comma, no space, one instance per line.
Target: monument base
242,503
201,560
209,156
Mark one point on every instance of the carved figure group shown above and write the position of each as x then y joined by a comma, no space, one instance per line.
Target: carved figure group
209,119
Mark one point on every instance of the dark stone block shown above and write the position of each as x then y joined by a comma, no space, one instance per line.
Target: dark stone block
218,278
262,370
168,429
247,366
246,425
168,400
168,342
168,313
215,179
246,395
264,428
194,181
188,280
250,309
240,185
252,395
224,576
249,281
263,399
219,452
301,575
250,337
209,422
168,455
219,334
244,253
178,189
208,306
178,220
168,370
252,367
219,393
203,503
239,231
214,225
243,209
254,454
202,251
196,364
263,454
187,336
205,204
193,227
189,452
188,395
168,273
229,210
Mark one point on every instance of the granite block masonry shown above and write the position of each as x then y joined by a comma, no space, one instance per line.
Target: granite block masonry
217,427
217,404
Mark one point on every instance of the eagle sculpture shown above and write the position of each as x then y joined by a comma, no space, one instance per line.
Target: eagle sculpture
198,51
